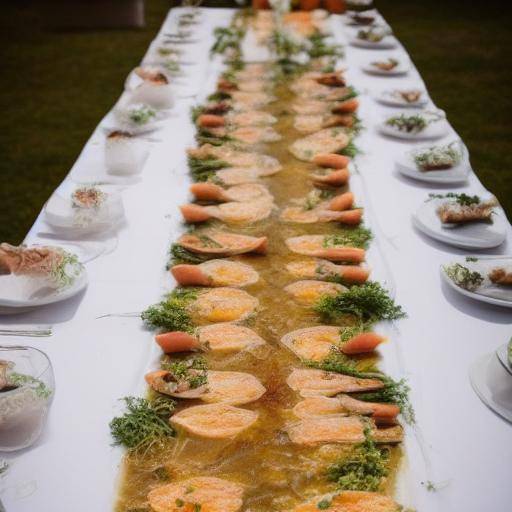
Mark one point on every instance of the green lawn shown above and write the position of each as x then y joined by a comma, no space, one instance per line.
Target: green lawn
56,86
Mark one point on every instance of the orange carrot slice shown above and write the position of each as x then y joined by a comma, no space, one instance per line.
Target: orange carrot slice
362,343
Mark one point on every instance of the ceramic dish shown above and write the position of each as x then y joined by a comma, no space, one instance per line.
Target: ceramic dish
436,128
401,68
392,98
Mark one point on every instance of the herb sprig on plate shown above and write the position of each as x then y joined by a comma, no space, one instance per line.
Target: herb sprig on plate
464,277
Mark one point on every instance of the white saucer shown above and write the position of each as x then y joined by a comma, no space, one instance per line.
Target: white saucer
387,98
493,385
476,235
387,43
400,69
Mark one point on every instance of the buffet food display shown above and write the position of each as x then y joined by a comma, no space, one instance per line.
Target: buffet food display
275,377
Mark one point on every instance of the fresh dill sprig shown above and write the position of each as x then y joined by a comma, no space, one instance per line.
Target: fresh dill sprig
408,123
463,276
319,48
369,303
203,169
181,370
225,38
144,424
219,96
462,199
171,314
195,112
350,150
355,237
181,255
66,272
38,386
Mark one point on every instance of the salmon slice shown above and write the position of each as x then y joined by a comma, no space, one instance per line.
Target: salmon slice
205,493
318,406
240,175
224,305
251,118
232,212
311,382
309,291
234,388
331,179
299,215
252,100
226,337
236,158
312,343
220,243
310,124
317,246
377,410
310,107
214,421
246,134
324,270
245,86
351,501
223,337
331,160
338,429
215,273
329,140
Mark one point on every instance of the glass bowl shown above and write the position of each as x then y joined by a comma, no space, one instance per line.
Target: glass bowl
27,387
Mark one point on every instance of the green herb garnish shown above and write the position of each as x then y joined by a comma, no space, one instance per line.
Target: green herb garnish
141,115
462,199
144,424
463,276
171,314
408,123
180,369
36,385
355,237
181,255
369,303
203,169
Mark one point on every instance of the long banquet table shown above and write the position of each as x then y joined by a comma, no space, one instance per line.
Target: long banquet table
466,449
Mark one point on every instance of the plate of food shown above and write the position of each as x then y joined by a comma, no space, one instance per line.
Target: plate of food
36,275
150,85
361,19
411,97
84,209
392,66
137,118
424,125
461,220
374,38
443,163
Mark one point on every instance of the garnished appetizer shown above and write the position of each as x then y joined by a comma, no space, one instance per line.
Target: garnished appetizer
373,35
58,266
151,74
362,19
409,96
437,158
88,198
138,115
462,276
386,65
413,123
461,208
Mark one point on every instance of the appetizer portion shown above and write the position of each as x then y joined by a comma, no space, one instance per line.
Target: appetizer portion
437,158
215,421
330,140
200,493
386,65
329,247
461,208
241,193
215,273
221,243
324,270
309,291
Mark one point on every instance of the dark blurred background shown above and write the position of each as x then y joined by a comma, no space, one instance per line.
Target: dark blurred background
57,83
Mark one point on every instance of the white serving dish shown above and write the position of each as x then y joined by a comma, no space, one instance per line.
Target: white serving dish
387,98
434,130
473,235
406,165
402,68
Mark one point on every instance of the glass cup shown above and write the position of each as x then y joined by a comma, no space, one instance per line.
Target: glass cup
27,387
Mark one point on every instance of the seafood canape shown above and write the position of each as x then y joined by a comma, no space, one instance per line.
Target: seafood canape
325,270
328,247
309,291
241,193
222,243
330,140
461,208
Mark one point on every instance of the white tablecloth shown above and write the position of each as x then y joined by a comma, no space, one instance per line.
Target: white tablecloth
468,450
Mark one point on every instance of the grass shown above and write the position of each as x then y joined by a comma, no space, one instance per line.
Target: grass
56,86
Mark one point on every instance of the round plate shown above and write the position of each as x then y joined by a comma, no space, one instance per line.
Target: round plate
389,99
436,130
400,69
62,217
405,165
387,43
19,294
475,235
493,385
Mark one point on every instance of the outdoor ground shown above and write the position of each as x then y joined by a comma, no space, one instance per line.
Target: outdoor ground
56,86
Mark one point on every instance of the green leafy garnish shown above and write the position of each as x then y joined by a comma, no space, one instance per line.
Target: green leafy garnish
171,314
355,237
144,424
180,369
66,272
462,199
203,169
323,504
350,150
225,38
369,303
463,276
437,157
38,386
364,469
181,255
141,115
408,123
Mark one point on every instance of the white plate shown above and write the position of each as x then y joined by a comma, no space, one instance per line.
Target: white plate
435,130
487,292
405,165
493,385
388,98
62,217
475,235
387,43
401,69
19,294
502,355
377,19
